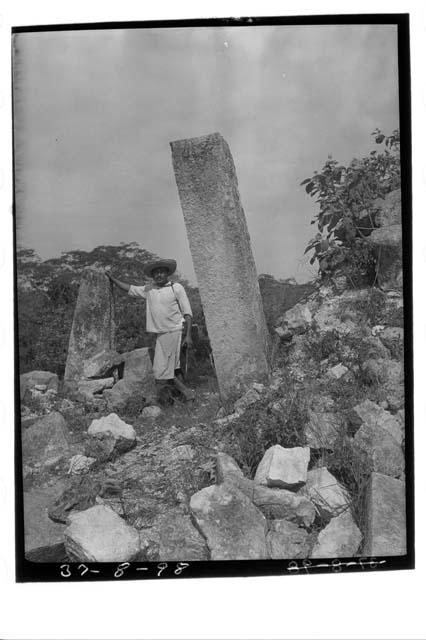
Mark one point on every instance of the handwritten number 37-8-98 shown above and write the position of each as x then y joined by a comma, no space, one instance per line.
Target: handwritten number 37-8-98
120,570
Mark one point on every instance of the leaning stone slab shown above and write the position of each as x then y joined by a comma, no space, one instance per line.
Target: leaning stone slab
326,493
223,261
123,433
382,449
284,468
93,327
101,363
47,438
340,538
385,517
39,530
226,467
233,527
287,540
100,535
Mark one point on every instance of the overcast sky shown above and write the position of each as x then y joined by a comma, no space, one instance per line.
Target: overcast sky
95,112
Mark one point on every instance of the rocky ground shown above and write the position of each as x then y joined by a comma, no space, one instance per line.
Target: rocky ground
310,466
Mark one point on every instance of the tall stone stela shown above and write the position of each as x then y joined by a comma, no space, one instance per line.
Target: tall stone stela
223,261
93,327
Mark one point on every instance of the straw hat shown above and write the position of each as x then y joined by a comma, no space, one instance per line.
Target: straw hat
170,265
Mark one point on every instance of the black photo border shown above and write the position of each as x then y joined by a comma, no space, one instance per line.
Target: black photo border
60,569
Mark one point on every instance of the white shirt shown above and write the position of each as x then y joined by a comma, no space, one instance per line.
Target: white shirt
165,306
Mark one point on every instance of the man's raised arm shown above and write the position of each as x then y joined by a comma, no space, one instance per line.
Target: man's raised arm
121,285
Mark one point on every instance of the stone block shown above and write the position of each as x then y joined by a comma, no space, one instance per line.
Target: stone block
280,503
326,493
287,540
283,468
33,379
382,449
223,262
385,517
47,438
233,527
339,539
373,415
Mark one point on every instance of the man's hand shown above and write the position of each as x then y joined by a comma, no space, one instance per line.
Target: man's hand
187,342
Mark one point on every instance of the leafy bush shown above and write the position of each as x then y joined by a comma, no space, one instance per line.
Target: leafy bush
347,209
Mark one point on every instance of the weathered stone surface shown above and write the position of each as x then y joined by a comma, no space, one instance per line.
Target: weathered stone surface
340,538
287,540
326,493
282,504
389,209
89,387
338,371
284,468
383,450
388,244
177,539
100,535
392,338
233,527
93,326
138,380
182,452
297,319
114,425
47,438
385,517
322,429
371,414
80,464
151,412
223,261
39,530
32,379
111,425
226,466
101,363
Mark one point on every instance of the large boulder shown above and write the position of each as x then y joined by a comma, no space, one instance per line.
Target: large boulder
340,538
138,380
47,439
382,449
284,468
30,380
177,539
287,540
233,527
326,493
385,517
283,504
102,363
100,535
93,327
39,530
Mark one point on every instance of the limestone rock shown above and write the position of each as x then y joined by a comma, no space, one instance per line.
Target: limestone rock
338,371
284,468
48,437
326,493
393,338
138,380
388,244
372,415
340,538
182,452
322,429
223,261
233,527
383,450
151,412
93,325
385,517
80,464
89,387
39,530
297,319
287,540
33,379
177,539
101,363
226,466
100,535
111,425
283,504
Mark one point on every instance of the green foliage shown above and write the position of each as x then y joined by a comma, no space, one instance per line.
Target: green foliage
346,197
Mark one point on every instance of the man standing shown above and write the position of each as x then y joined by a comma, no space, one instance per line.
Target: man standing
167,312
